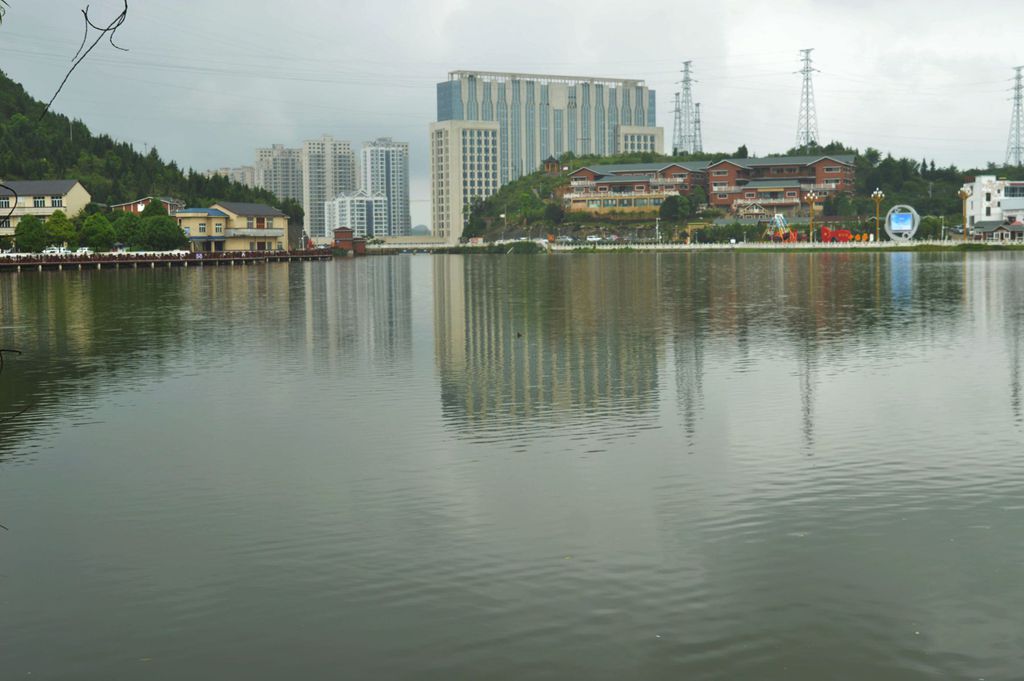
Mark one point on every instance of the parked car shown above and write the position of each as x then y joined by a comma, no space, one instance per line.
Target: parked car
84,250
593,238
565,239
56,250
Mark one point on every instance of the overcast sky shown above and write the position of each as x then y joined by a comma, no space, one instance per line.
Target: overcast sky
208,82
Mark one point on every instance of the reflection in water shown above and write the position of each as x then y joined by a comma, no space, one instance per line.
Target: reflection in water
558,345
585,466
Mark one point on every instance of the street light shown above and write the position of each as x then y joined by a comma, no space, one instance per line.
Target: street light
504,230
964,194
877,196
810,199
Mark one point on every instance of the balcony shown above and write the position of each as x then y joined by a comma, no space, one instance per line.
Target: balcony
254,232
792,200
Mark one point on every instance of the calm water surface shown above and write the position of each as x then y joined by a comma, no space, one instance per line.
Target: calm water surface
678,466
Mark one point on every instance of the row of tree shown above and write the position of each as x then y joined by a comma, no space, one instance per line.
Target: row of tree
153,230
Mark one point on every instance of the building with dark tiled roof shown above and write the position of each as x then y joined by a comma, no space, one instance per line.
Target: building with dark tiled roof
41,198
778,184
231,226
631,187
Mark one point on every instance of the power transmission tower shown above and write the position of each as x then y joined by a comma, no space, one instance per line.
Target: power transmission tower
698,142
1015,145
677,129
687,110
807,124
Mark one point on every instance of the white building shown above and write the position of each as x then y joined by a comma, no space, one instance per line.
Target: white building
328,169
994,202
465,163
279,169
244,175
544,115
385,170
366,214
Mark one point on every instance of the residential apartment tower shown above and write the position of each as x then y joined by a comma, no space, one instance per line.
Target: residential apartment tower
385,171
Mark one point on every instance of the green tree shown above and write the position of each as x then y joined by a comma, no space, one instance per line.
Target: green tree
30,235
97,233
152,209
554,213
698,198
742,152
160,233
671,209
59,229
126,228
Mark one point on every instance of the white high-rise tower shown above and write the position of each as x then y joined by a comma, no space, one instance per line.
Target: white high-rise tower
385,170
328,169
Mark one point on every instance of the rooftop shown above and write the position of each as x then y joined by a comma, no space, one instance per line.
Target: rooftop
543,77
645,167
212,212
846,159
37,187
258,210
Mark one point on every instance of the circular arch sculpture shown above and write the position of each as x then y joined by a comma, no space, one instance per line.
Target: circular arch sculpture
901,223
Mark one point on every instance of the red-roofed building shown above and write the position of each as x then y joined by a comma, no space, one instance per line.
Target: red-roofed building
139,205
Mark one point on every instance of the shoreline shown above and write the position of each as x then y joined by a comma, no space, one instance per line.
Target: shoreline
749,247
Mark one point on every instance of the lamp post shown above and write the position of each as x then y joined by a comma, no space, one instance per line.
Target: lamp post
504,230
964,194
657,229
877,196
810,199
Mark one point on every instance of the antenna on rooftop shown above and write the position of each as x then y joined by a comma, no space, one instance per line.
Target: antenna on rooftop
1015,145
807,124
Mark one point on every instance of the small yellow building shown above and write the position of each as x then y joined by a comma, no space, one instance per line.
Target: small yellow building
230,226
41,198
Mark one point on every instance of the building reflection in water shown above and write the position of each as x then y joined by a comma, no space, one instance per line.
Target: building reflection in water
524,344
356,312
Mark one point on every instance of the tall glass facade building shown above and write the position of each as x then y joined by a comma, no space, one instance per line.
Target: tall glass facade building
541,115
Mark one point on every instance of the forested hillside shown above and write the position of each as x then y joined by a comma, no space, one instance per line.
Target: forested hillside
56,147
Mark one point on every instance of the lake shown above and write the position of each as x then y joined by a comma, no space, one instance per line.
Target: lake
724,465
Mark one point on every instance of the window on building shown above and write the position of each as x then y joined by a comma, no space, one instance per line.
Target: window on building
39,202
832,169
749,195
5,223
56,202
5,202
202,228
790,194
723,196
249,223
720,173
218,228
988,212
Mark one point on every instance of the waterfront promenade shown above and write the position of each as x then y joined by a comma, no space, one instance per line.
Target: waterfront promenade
35,262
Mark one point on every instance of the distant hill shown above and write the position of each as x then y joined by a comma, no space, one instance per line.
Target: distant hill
420,230
57,147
